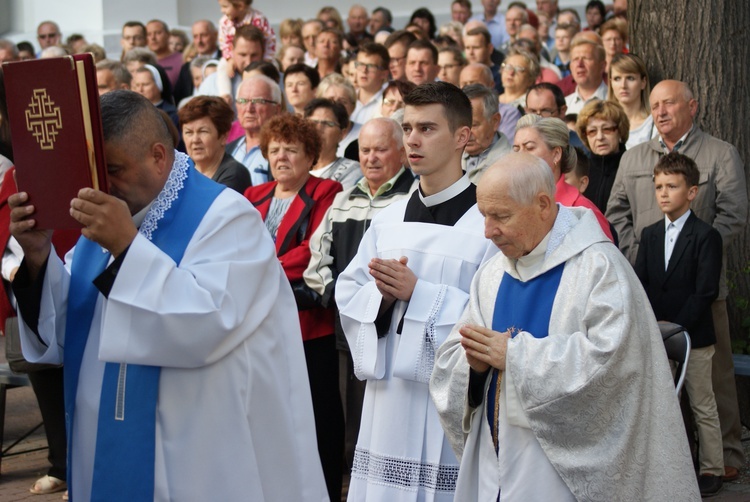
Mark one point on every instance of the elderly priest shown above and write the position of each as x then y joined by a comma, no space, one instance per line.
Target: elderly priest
554,385
184,372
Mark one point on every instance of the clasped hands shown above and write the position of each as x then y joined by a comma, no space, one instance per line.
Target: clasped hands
484,347
393,278
106,220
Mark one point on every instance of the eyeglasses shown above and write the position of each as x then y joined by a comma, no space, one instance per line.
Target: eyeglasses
395,61
391,102
367,67
516,69
327,123
544,112
606,130
255,101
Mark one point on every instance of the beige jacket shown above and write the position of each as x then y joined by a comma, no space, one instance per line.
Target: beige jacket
722,199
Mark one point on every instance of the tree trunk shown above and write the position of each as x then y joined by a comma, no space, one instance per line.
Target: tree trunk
706,44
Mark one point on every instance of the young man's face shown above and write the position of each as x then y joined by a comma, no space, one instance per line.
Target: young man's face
673,194
430,144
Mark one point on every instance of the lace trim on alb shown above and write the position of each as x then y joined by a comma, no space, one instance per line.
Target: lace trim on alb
403,473
426,359
170,193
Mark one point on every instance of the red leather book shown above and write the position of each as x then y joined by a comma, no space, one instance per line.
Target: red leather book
56,130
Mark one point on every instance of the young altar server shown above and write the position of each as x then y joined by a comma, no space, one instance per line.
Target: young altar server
401,295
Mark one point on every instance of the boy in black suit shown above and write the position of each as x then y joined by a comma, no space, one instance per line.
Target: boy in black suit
679,264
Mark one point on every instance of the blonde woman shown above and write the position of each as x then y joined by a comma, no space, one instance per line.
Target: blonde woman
629,86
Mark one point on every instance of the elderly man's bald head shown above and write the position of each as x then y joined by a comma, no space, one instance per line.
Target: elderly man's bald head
673,109
476,73
381,151
516,196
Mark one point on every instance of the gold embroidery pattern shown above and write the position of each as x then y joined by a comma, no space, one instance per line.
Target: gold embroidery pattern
43,119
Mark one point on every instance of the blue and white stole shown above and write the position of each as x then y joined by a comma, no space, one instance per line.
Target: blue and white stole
124,462
520,306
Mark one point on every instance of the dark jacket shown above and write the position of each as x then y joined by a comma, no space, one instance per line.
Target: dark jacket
684,292
602,172
232,174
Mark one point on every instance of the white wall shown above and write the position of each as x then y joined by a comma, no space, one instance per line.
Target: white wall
100,20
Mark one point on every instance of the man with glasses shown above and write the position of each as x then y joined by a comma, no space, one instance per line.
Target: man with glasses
258,99
397,44
372,74
547,100
48,35
133,35
450,62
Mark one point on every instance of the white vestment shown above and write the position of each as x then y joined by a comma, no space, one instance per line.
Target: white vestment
234,414
593,404
402,453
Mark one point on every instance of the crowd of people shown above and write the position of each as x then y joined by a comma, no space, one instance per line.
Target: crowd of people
411,287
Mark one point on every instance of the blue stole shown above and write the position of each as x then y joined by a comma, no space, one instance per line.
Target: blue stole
124,462
521,306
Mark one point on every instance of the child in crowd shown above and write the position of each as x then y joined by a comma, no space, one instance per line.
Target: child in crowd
579,175
235,14
679,264
290,32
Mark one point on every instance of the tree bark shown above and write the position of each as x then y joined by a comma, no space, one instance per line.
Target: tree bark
706,44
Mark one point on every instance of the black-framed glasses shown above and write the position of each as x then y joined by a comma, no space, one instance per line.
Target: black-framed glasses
326,123
544,112
255,101
367,67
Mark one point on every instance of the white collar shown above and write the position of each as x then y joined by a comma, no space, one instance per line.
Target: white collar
679,223
447,194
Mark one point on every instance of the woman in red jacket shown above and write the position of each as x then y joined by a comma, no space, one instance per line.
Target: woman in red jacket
292,207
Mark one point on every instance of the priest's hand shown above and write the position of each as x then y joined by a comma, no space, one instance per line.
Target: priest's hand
484,347
106,220
393,278
36,243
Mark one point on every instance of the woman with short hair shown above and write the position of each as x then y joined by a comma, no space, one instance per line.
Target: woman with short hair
205,122
604,128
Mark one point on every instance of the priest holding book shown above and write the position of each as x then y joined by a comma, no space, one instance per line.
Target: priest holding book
183,380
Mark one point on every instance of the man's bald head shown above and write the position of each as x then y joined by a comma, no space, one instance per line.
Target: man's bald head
516,196
476,73
673,109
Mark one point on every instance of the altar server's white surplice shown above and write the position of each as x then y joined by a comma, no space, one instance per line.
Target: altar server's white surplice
234,415
402,453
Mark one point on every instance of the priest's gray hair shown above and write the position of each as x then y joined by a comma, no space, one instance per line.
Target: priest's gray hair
526,176
555,134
